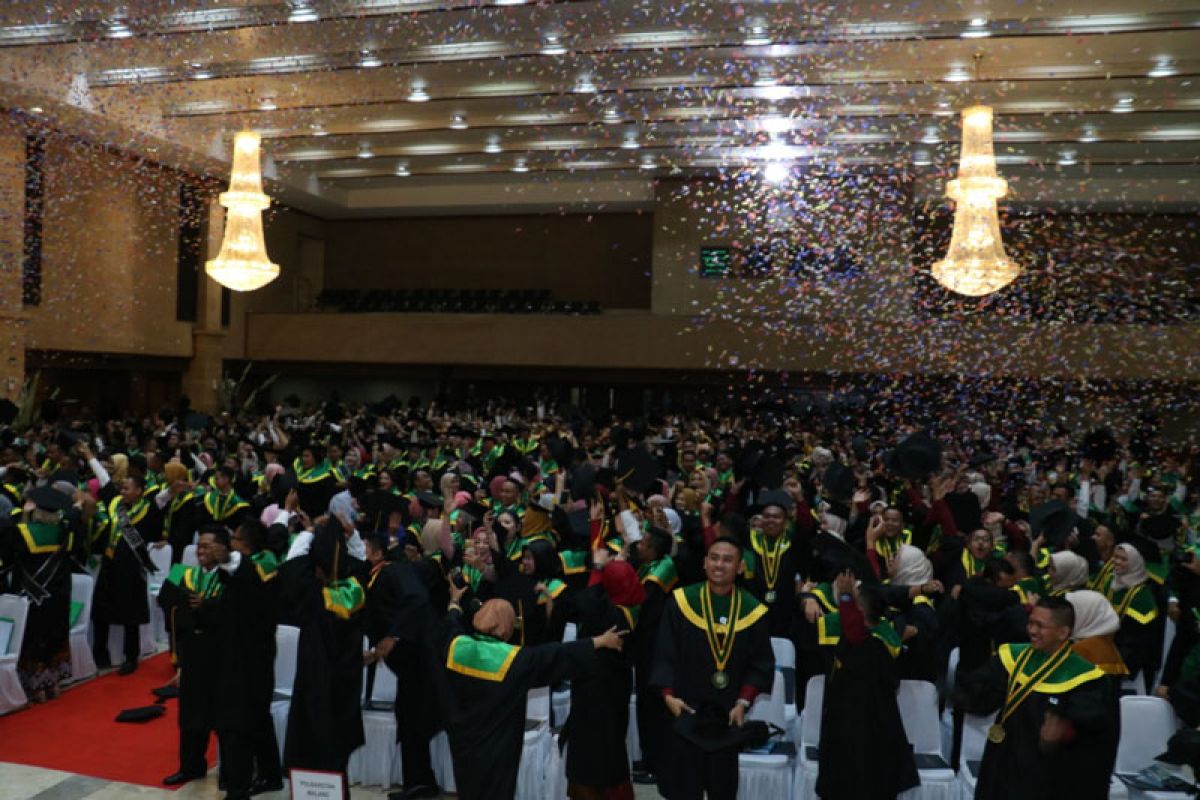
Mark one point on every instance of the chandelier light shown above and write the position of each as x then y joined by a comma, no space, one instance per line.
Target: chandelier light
976,264
243,264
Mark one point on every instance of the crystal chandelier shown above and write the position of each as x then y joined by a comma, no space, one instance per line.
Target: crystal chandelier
976,263
243,264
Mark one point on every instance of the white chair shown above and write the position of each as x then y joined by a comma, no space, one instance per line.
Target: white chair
973,743
189,556
161,559
810,736
83,663
918,704
443,763
376,762
560,701
769,776
1147,723
785,663
14,610
287,640
535,752
633,737
948,712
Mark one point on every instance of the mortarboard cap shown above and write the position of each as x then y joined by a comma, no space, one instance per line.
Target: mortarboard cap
141,714
429,499
48,498
861,449
637,470
572,526
712,732
837,484
1054,520
774,498
916,457
474,510
982,458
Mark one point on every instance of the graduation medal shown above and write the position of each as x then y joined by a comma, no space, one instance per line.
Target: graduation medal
721,646
772,559
1018,694
770,596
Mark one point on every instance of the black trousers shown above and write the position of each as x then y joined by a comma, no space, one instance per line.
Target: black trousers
693,773
653,721
414,733
249,753
133,645
193,745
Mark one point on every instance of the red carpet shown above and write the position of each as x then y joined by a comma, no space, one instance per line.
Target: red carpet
77,733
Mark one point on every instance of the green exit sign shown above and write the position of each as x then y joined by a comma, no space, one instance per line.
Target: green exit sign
715,262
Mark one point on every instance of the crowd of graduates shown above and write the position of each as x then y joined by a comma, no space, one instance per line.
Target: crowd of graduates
462,543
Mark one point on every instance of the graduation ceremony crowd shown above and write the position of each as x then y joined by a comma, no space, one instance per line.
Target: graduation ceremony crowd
462,544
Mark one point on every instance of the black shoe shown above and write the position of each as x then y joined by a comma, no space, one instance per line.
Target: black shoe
128,668
644,778
102,663
180,778
421,793
260,787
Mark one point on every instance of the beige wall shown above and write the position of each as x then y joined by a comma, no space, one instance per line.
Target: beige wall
110,240
603,257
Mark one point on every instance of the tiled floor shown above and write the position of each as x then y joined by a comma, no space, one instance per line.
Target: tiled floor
19,782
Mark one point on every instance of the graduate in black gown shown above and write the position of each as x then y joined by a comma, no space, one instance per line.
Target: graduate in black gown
489,680
713,658
323,591
657,572
864,752
1056,732
597,761
402,630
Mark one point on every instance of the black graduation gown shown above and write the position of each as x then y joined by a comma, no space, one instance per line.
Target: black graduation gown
1017,767
42,561
782,609
595,731
864,753
653,717
197,636
325,720
487,717
120,597
181,518
251,609
315,495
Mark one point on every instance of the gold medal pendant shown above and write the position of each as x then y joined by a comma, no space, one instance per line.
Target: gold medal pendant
995,734
720,679
770,596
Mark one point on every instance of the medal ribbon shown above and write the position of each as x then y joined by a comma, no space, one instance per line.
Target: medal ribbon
772,559
721,647
1016,696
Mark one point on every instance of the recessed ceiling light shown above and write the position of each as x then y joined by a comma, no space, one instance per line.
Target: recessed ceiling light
199,73
1164,67
302,11
1066,158
757,34
520,165
979,22
493,145
36,110
584,84
647,162
958,75
765,77
510,2
117,28
1124,105
458,122
611,116
552,45
267,104
417,94
630,142
369,60
922,158
365,151
775,124
317,129
776,171
1089,135
402,170
931,136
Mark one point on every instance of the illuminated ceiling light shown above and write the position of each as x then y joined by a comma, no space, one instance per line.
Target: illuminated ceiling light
317,129
242,263
417,94
931,136
117,28
493,145
365,151
520,165
1066,158
776,172
976,29
1124,105
765,77
922,158
647,162
267,104
1164,67
200,74
458,122
584,84
775,125
1089,135
976,263
552,45
369,60
402,170
958,75
611,116
302,11
630,141
510,2
757,34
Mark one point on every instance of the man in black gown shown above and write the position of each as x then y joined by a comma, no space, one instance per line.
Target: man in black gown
714,657
1056,732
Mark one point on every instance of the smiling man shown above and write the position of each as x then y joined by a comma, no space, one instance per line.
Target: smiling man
713,658
1057,720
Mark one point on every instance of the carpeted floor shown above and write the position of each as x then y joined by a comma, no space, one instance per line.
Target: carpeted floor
78,733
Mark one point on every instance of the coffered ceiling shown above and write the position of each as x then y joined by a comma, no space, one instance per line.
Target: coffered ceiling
366,106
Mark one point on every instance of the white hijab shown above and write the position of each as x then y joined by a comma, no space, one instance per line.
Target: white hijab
1070,571
1094,615
1135,571
912,567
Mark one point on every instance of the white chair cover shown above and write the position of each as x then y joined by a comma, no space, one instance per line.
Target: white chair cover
535,751
810,736
12,696
767,775
287,640
189,556
1146,725
633,738
83,663
376,762
918,703
785,662
973,743
443,762
161,559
